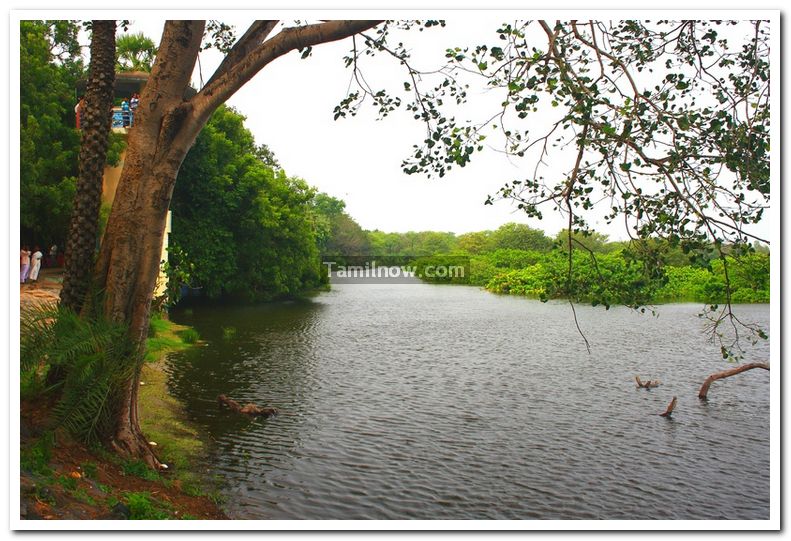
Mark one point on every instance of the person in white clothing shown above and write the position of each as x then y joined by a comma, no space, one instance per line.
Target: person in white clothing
35,264
24,263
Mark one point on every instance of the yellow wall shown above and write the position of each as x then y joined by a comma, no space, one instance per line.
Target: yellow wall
162,279
109,184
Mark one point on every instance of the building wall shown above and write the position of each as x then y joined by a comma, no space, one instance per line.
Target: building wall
110,181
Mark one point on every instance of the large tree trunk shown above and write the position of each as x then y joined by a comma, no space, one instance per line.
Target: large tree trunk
129,259
166,126
704,389
95,124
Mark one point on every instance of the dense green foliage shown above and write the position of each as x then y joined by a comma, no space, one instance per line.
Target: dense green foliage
50,64
135,52
609,273
336,232
241,228
748,276
411,243
606,279
424,243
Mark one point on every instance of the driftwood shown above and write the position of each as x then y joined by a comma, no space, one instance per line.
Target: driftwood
646,384
670,408
704,389
247,409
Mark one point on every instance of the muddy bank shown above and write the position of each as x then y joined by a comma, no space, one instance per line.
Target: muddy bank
62,479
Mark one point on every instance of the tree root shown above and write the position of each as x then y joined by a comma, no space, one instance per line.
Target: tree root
135,446
128,440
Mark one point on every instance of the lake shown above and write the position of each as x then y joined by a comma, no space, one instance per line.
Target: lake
404,401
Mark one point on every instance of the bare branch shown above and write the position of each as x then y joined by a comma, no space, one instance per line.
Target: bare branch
252,38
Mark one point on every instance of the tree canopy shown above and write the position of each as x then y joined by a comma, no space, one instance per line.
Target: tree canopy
135,52
662,124
241,228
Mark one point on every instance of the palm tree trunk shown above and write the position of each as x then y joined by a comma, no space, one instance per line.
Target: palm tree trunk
95,124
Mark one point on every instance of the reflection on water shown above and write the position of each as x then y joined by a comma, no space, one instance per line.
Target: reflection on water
432,402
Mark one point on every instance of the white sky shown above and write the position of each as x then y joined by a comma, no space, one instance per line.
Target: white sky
289,107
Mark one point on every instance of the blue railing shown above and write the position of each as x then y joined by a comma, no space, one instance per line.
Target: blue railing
123,119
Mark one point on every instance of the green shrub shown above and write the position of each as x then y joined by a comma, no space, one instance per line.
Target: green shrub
509,258
482,270
89,470
95,355
69,483
36,457
608,279
31,384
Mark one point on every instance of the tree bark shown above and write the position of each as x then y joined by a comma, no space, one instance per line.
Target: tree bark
704,389
166,126
95,124
129,258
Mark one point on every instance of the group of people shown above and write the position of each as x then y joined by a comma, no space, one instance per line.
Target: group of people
128,110
30,262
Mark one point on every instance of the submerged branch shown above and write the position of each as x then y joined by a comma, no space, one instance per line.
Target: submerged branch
704,389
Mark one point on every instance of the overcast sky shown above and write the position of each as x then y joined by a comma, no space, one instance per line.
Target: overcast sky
289,107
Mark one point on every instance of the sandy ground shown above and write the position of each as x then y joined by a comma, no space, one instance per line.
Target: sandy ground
46,289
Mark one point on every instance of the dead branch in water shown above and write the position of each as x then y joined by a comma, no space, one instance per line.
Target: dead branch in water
247,409
704,389
646,384
670,408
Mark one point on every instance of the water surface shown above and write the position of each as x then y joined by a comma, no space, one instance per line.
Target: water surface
444,402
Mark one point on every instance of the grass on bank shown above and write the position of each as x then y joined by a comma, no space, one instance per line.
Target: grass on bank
165,336
162,416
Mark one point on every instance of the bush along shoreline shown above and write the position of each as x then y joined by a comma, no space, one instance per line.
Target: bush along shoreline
609,278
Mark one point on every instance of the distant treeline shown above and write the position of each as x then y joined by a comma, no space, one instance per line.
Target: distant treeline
517,259
609,273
